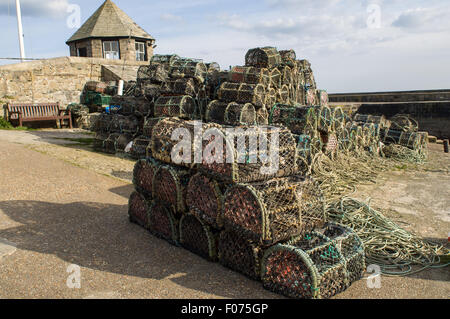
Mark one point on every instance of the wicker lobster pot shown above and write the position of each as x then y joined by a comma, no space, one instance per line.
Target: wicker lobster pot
237,161
283,94
162,223
299,119
198,238
266,57
184,86
262,117
240,114
183,107
275,78
204,198
187,68
169,187
309,266
240,254
137,209
250,75
143,174
242,93
272,211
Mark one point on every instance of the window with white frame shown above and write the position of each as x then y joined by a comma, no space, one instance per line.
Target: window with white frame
140,51
111,50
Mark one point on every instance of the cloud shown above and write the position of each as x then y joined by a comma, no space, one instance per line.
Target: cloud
425,19
35,8
171,17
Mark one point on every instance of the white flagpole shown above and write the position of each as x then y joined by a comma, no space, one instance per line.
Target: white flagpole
20,28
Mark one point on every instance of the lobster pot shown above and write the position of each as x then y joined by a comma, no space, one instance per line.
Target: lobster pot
109,144
94,86
185,86
323,97
303,152
286,75
99,141
292,94
288,57
311,97
248,155
240,114
102,124
298,119
215,112
169,187
149,124
162,145
162,223
316,143
423,143
122,141
275,78
350,247
228,92
339,119
266,57
330,142
139,147
150,91
366,118
124,124
283,95
307,267
270,98
310,81
143,174
154,73
213,67
356,137
166,59
238,253
401,122
325,120
271,211
409,140
187,68
204,197
262,117
250,75
138,209
242,93
198,238
176,106
344,139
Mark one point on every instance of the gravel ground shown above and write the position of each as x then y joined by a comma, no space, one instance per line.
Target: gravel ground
63,205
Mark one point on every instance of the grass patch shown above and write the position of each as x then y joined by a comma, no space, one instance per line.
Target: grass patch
5,125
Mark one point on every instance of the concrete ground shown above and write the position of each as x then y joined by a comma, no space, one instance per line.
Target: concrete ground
63,205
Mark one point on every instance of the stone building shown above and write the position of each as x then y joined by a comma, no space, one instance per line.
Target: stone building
111,34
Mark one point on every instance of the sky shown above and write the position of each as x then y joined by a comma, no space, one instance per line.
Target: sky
353,45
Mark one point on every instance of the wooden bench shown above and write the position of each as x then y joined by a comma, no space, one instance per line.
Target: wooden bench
38,112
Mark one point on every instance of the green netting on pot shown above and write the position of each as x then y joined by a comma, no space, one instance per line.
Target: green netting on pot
316,144
362,119
169,187
215,111
240,254
311,97
139,147
339,119
240,114
344,139
143,174
176,106
299,119
242,93
266,57
188,68
325,120
204,198
162,223
288,57
167,59
185,86
404,122
149,124
137,209
275,77
109,144
350,247
250,75
409,140
154,73
166,149
283,94
265,212
262,116
246,154
270,98
198,238
303,152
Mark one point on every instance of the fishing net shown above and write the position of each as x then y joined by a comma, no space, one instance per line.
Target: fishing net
162,223
169,187
154,73
286,75
139,147
137,209
298,119
266,57
275,78
150,91
240,114
143,173
188,68
198,238
339,119
242,93
272,211
407,139
185,86
403,122
123,124
262,116
362,119
283,94
176,106
240,254
167,59
248,154
149,124
215,112
325,120
250,75
204,197
344,140
288,57
303,152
